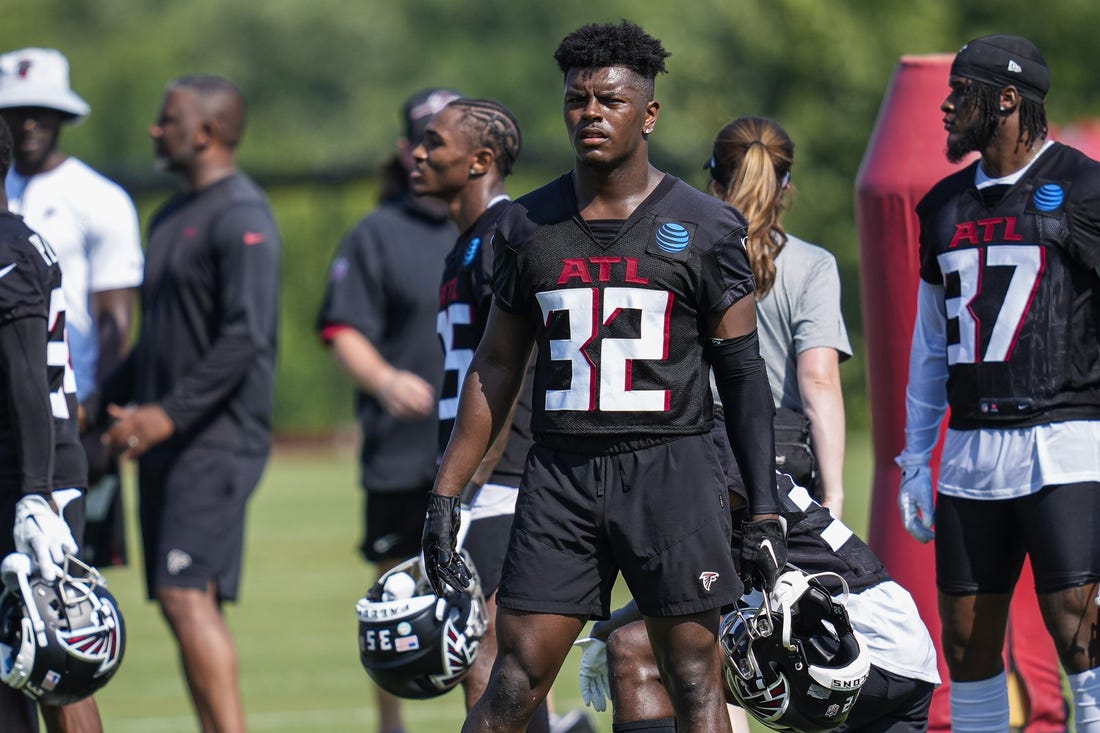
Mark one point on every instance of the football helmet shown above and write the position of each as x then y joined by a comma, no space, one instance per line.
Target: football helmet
60,641
413,643
794,662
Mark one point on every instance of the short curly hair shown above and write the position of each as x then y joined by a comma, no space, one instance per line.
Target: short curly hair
599,45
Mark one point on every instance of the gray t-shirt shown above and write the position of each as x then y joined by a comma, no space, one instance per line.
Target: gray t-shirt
801,311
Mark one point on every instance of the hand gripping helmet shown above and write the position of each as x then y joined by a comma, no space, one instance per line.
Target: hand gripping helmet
413,643
59,641
794,664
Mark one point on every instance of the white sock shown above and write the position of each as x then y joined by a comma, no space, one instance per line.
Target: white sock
1086,699
980,706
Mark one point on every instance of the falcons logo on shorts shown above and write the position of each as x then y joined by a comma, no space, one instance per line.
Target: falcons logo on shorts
707,578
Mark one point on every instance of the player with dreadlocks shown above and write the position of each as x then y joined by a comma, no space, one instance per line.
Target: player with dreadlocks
1008,336
628,284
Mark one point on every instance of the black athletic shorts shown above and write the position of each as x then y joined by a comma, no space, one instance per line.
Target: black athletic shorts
890,703
394,523
659,515
487,541
192,512
980,545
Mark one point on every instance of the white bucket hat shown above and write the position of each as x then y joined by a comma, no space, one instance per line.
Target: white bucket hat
39,77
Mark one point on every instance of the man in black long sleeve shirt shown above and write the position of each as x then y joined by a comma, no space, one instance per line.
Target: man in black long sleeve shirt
199,382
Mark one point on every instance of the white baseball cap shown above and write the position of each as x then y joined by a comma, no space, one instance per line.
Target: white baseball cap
39,77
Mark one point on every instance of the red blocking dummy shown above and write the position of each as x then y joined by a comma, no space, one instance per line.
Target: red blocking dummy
903,160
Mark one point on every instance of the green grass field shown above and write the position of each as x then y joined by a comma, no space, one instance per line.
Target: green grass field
295,624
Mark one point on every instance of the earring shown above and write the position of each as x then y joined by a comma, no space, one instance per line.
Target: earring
1002,108
474,173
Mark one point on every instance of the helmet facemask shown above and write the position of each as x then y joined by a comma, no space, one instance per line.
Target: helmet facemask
794,662
59,641
415,644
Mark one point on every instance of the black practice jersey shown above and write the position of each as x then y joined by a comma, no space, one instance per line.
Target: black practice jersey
464,301
819,543
210,316
384,284
1022,295
620,326
38,394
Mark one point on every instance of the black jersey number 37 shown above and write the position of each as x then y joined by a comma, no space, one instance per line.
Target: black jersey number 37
971,265
607,388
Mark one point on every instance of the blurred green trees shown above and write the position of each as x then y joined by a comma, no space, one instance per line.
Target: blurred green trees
325,80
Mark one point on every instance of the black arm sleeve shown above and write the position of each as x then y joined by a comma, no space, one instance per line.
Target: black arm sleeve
25,382
749,413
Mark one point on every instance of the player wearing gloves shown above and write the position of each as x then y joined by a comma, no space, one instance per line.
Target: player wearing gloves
441,557
1008,336
626,282
43,471
467,151
617,662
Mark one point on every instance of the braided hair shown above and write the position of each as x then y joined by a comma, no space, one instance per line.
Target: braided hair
490,124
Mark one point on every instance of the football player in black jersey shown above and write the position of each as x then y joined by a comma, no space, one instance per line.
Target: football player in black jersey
43,471
467,151
628,284
1008,335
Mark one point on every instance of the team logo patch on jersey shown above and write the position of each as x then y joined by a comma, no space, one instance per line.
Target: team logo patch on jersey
671,239
471,251
1049,197
707,578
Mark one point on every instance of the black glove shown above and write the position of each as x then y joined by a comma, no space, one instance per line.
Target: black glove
442,561
763,553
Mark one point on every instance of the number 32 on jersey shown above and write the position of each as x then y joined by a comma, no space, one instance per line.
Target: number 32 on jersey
607,388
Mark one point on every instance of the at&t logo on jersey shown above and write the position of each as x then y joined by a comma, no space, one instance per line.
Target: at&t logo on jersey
1049,197
671,238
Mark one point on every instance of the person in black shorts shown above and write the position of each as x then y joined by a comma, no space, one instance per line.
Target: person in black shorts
43,470
193,400
626,282
1008,336
378,317
467,151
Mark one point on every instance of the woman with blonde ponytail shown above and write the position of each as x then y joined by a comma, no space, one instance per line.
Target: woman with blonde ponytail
802,334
